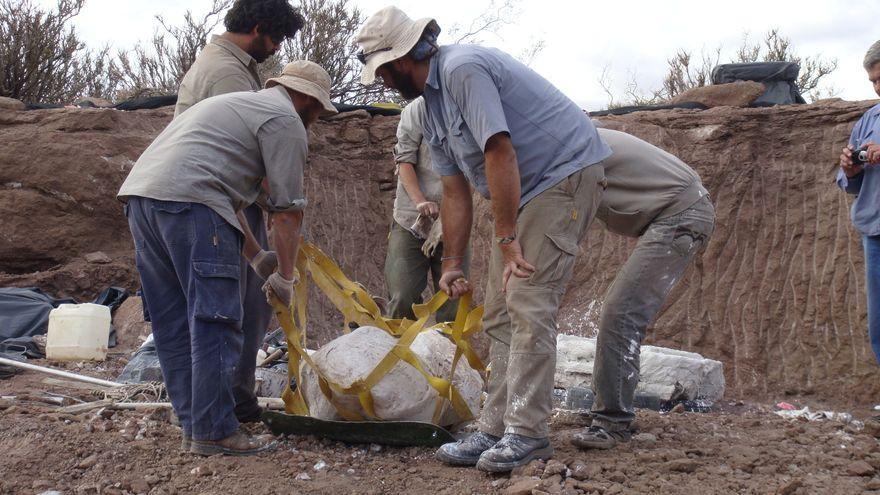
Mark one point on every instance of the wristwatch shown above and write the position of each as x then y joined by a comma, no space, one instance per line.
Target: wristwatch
506,239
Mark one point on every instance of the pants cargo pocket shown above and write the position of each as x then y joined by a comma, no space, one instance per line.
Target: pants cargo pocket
217,292
556,262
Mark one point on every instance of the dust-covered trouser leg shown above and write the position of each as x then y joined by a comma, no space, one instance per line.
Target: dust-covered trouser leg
631,303
522,321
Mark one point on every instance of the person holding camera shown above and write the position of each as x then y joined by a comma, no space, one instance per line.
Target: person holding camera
859,175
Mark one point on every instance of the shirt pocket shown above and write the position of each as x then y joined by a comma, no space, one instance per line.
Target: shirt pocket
464,144
217,294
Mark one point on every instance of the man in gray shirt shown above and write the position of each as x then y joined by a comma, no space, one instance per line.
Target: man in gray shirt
254,31
416,206
653,196
494,123
181,199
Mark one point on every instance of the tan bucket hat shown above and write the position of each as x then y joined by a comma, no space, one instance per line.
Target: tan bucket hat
388,35
307,78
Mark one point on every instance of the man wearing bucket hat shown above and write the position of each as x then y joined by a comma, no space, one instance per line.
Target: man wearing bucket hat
496,124
181,199
254,31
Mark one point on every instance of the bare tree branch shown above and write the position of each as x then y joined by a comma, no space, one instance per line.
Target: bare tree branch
42,58
160,65
684,72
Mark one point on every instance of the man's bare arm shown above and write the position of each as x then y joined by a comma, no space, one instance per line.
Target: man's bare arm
502,175
286,232
456,213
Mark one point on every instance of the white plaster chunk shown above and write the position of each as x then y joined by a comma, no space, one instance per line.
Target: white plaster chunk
665,373
403,394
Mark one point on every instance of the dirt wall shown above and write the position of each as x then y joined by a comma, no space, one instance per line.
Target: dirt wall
779,298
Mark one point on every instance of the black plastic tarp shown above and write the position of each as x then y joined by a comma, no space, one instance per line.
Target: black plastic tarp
24,313
688,105
778,78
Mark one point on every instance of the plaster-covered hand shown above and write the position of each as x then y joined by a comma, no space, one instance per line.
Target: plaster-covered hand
435,237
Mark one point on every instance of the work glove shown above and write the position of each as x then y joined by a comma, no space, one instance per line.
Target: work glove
280,287
265,263
435,237
422,226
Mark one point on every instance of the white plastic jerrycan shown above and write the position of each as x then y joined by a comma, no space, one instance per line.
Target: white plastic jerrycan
78,332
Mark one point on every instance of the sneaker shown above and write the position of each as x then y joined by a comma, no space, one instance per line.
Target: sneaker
513,451
597,437
466,452
238,443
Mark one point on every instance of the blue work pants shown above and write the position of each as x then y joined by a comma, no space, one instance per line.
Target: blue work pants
872,288
189,261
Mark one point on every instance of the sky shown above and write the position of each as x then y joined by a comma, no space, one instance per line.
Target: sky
627,40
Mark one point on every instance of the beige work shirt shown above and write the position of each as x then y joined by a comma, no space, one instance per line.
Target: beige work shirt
221,67
218,152
644,183
412,148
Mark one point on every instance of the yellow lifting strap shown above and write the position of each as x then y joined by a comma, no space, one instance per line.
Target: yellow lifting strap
356,305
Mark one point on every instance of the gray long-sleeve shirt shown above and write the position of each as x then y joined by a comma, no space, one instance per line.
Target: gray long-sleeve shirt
218,152
412,148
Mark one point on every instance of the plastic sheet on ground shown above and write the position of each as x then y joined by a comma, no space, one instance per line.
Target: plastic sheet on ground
143,366
808,415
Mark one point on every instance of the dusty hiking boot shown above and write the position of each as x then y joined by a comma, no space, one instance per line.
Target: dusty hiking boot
238,443
466,452
597,437
513,451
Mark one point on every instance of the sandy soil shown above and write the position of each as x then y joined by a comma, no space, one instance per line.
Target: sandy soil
743,448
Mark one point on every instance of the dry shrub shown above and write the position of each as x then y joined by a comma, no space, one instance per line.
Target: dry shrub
42,58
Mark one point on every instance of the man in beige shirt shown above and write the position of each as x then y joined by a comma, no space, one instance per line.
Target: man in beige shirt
411,254
653,196
255,30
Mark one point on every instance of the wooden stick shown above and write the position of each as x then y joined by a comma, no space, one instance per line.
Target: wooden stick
271,358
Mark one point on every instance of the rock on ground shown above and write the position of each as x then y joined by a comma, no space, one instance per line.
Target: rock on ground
735,94
665,373
7,103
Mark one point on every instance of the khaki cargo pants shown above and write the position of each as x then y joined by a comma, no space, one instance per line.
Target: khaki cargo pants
522,321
